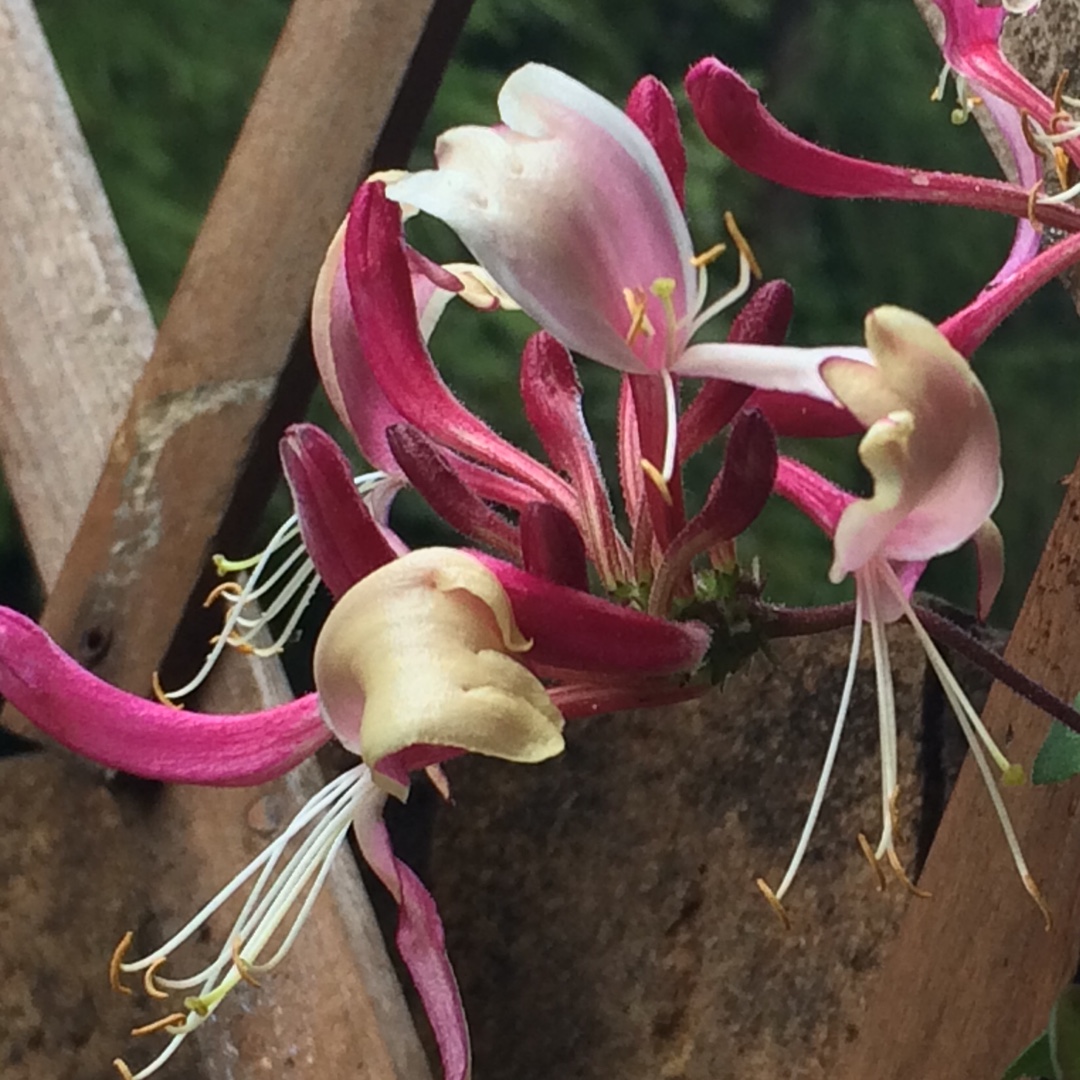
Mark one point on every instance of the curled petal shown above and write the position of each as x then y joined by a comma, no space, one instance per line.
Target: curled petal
340,534
932,444
651,106
734,120
447,494
390,338
159,742
422,653
763,320
568,206
551,393
735,499
574,631
419,938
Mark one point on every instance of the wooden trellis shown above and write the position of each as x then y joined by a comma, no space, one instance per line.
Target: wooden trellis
103,437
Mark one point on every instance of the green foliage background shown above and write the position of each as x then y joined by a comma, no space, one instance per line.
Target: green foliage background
161,90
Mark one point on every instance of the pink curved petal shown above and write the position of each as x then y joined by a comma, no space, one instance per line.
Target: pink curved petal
578,632
567,205
822,501
159,742
551,394
446,493
972,325
386,323
651,106
735,498
341,536
734,120
420,941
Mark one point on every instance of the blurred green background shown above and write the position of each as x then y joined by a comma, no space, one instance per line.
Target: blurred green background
162,88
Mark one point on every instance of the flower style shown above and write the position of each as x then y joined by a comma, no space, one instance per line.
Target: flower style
931,446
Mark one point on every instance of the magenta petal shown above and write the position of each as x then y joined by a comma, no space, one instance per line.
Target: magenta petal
801,416
446,493
763,320
158,742
819,499
650,409
387,329
343,539
972,325
651,106
734,120
551,546
734,500
421,943
551,393
575,631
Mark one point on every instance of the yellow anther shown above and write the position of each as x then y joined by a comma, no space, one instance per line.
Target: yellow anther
639,321
1033,892
1061,167
774,902
657,477
240,645
898,870
152,989
226,588
1033,195
706,258
243,968
225,566
159,1025
1059,90
1028,129
197,1006
160,694
116,960
1014,775
742,244
120,1066
871,858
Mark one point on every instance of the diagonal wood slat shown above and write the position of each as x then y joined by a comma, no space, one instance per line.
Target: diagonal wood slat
74,336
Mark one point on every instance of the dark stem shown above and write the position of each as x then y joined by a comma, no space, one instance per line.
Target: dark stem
946,632
776,621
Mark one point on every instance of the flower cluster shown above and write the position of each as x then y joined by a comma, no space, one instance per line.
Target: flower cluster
566,601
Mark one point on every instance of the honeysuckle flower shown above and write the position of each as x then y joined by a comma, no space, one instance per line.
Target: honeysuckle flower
428,655
575,211
932,449
464,468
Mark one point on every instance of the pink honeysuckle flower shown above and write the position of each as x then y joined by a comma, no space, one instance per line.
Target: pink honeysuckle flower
932,448
439,437
573,207
428,655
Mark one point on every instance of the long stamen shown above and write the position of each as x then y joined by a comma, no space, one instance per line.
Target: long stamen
245,621
827,768
886,713
264,911
977,737
671,413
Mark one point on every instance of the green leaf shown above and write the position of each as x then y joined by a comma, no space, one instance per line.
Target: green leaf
1064,1034
1035,1062
1059,756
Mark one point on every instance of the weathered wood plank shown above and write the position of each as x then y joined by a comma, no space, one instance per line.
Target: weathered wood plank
74,335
